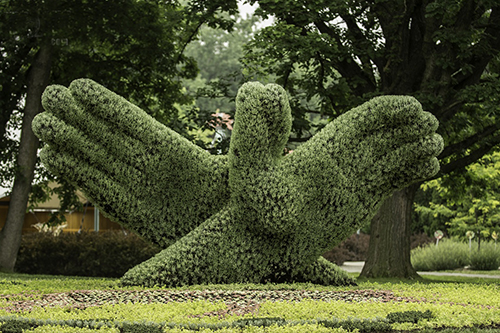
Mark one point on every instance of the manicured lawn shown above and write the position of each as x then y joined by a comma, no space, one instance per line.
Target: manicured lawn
450,303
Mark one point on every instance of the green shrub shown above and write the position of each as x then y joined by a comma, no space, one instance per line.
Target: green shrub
487,259
16,326
409,316
447,255
107,254
140,328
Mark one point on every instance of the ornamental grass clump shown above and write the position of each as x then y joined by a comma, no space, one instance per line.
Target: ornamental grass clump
485,259
254,215
448,255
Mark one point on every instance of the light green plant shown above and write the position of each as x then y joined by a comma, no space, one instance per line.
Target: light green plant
448,255
69,329
253,215
452,254
469,202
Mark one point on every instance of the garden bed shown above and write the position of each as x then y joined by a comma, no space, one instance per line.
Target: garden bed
64,304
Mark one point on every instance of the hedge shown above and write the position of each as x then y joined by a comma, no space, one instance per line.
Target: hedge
108,254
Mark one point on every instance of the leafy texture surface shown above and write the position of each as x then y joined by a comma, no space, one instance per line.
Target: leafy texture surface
253,215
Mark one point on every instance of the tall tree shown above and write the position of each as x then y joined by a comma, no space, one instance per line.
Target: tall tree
133,47
445,53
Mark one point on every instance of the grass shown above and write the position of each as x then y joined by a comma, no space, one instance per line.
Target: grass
456,303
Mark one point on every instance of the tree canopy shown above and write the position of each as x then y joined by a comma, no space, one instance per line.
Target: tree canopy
445,53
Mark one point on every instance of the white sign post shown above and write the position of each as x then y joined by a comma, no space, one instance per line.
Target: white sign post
470,234
438,234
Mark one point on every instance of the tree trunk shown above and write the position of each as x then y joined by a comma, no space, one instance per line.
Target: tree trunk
389,249
10,236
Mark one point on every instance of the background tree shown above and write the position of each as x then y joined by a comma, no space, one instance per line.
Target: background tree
468,201
445,53
133,47
217,53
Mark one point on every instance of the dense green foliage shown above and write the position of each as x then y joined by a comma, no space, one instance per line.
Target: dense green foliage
251,216
466,201
108,254
133,47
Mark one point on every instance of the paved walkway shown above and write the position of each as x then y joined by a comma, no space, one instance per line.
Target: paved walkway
357,266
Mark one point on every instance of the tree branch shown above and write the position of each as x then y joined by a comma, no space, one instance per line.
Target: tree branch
347,67
490,41
469,159
364,46
468,142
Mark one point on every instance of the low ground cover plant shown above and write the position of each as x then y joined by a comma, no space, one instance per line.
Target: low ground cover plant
63,304
452,254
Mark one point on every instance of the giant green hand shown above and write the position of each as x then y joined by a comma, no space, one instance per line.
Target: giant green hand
253,216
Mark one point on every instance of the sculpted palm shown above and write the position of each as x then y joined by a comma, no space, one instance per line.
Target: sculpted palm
253,215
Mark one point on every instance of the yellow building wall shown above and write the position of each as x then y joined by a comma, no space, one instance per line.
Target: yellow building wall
75,220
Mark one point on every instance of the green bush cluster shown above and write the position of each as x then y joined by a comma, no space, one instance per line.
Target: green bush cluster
251,216
108,254
451,254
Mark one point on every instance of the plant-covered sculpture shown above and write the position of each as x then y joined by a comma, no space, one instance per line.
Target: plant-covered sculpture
253,215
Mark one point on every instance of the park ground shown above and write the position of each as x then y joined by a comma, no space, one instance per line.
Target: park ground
447,303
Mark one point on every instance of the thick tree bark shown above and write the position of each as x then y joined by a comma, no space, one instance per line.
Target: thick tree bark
389,249
10,236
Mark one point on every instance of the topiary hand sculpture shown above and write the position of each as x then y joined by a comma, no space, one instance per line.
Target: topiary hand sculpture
253,215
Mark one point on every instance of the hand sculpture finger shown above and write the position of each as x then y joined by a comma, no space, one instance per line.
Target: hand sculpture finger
116,201
262,125
357,160
73,142
177,178
387,168
106,140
